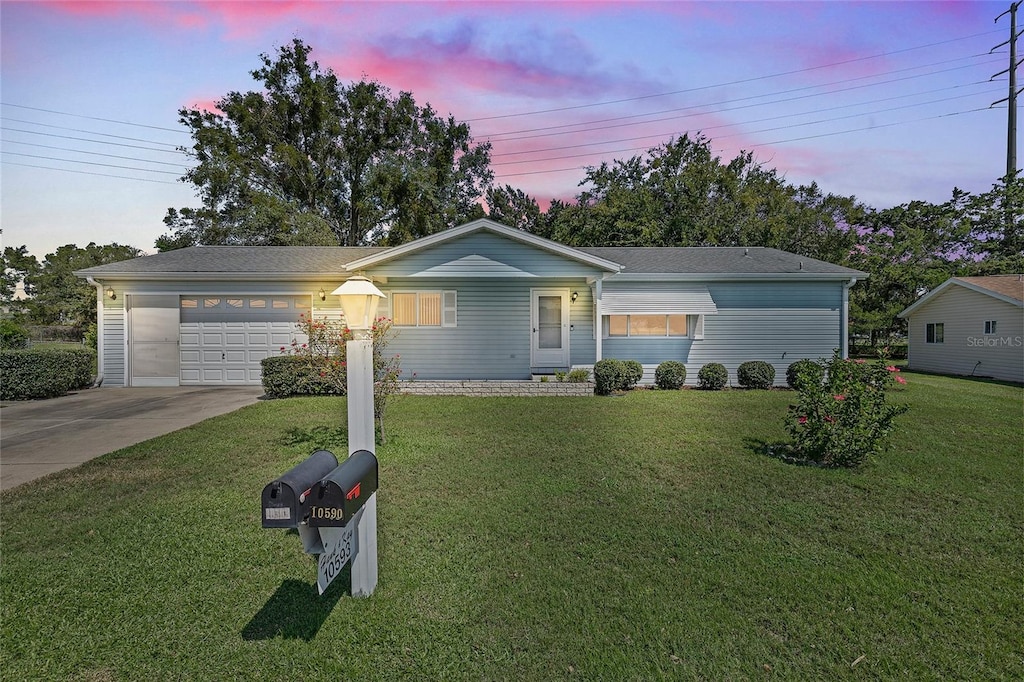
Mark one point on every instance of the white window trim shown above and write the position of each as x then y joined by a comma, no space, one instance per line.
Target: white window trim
449,313
990,327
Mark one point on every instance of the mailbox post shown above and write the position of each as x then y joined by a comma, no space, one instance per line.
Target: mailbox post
359,300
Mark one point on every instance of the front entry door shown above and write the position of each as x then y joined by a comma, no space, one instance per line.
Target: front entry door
549,322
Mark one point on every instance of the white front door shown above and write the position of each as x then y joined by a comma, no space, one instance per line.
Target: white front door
549,324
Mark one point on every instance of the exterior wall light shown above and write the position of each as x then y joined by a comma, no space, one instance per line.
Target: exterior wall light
110,293
322,294
574,296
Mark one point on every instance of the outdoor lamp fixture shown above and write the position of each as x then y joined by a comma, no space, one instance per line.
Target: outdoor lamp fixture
322,294
359,300
110,293
574,296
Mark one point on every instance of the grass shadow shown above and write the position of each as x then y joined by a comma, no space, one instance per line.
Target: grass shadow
780,450
296,610
333,438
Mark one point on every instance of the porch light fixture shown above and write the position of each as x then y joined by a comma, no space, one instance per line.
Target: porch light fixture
322,294
574,296
110,293
359,300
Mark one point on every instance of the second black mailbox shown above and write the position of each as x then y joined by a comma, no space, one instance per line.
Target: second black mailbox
286,500
344,491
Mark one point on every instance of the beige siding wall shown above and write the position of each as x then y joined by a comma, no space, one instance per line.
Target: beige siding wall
966,349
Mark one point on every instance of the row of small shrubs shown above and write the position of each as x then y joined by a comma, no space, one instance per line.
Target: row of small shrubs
287,375
617,375
35,373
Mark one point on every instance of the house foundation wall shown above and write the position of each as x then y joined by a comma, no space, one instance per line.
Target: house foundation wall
520,389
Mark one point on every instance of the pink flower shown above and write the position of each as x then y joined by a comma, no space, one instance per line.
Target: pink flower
900,380
830,420
801,420
860,361
892,368
840,397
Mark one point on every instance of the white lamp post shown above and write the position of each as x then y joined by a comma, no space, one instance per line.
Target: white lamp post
359,300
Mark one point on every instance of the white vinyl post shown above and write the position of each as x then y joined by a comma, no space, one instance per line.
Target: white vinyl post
362,436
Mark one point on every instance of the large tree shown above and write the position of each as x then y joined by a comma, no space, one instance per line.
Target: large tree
58,296
311,160
16,265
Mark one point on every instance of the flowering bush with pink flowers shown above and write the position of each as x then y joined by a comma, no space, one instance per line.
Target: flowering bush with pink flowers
842,415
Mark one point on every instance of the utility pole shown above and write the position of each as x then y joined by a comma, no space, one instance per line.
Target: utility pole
1011,99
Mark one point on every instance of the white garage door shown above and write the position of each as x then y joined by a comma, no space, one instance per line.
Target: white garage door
224,338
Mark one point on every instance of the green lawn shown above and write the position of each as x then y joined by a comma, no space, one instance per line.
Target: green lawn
630,538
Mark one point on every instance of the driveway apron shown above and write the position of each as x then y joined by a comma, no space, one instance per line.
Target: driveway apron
40,437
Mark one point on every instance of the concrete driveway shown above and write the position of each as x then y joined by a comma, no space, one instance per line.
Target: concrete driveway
39,437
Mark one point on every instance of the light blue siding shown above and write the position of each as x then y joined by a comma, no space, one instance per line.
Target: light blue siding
444,258
492,339
779,323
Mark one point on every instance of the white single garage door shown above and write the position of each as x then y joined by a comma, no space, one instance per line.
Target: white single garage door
224,338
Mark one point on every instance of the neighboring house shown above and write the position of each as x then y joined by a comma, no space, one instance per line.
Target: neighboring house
479,301
969,326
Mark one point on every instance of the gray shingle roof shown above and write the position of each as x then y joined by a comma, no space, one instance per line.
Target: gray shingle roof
258,260
311,261
727,260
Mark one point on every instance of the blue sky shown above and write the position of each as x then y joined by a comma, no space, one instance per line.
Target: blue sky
887,101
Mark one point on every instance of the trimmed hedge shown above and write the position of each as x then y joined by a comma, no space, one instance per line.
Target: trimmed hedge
755,374
632,373
34,373
670,375
608,374
12,335
285,375
809,369
712,377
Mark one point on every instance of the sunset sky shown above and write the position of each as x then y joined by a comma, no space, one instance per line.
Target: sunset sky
887,101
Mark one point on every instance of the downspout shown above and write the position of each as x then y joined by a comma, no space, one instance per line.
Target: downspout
99,330
844,325
598,321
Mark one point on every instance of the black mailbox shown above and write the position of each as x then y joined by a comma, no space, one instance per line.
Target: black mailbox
286,500
344,491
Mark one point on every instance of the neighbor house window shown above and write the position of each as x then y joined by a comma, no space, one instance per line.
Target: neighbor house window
990,327
647,325
423,308
934,332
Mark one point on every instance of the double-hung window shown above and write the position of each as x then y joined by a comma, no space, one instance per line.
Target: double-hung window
990,326
934,332
424,308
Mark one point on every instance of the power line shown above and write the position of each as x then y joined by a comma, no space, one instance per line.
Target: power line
85,139
102,175
769,94
736,82
91,132
793,139
740,99
82,151
94,118
88,163
759,120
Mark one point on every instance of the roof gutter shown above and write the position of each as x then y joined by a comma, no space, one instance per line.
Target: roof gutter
99,330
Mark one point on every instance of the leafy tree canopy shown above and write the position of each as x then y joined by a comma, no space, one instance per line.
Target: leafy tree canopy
310,160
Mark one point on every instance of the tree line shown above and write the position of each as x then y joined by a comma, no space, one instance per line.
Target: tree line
310,160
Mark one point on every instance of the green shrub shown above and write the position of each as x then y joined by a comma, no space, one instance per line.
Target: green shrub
29,374
843,417
579,376
608,374
712,377
285,375
803,370
91,338
755,374
12,335
632,373
670,375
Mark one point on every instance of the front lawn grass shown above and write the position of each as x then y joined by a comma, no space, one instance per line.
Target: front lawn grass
630,538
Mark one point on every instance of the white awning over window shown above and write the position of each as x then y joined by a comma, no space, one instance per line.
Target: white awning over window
692,299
